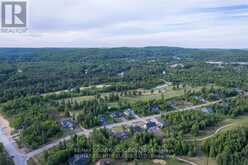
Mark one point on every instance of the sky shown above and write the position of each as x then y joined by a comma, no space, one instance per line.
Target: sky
133,23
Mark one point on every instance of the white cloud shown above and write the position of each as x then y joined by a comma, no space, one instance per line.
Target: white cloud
109,23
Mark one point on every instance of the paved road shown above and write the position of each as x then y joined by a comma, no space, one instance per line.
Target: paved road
87,132
21,159
11,148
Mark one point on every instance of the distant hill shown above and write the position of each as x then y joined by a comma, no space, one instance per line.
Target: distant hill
72,54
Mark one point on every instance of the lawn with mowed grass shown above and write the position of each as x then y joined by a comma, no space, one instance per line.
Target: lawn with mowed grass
238,122
146,95
169,93
81,98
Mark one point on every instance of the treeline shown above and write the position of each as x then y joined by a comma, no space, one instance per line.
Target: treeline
102,145
210,94
34,117
122,88
151,107
189,122
229,148
36,71
4,157
232,107
88,111
200,73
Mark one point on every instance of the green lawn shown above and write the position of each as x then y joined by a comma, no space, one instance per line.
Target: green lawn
82,98
238,122
209,130
168,93
118,129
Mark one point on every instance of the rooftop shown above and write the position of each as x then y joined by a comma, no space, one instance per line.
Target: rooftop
207,110
79,159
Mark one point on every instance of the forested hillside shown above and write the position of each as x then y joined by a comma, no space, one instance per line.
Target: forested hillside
230,148
160,100
36,71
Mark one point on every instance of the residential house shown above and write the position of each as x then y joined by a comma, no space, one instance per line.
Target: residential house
121,134
67,123
117,115
151,125
103,119
173,104
154,108
160,123
79,159
201,99
207,110
136,128
129,113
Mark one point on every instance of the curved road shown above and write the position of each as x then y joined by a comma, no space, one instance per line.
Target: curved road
10,146
212,135
21,159
87,132
202,139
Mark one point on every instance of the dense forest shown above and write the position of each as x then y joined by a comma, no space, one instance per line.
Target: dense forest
33,116
189,122
230,148
37,71
103,145
42,88
235,107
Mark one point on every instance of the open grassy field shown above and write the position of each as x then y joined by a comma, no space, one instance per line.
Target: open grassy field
167,93
238,122
146,95
235,123
81,89
209,130
118,129
82,98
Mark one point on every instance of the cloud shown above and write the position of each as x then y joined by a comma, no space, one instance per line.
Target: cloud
110,23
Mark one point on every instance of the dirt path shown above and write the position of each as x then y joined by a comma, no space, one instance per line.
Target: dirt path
212,135
186,161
